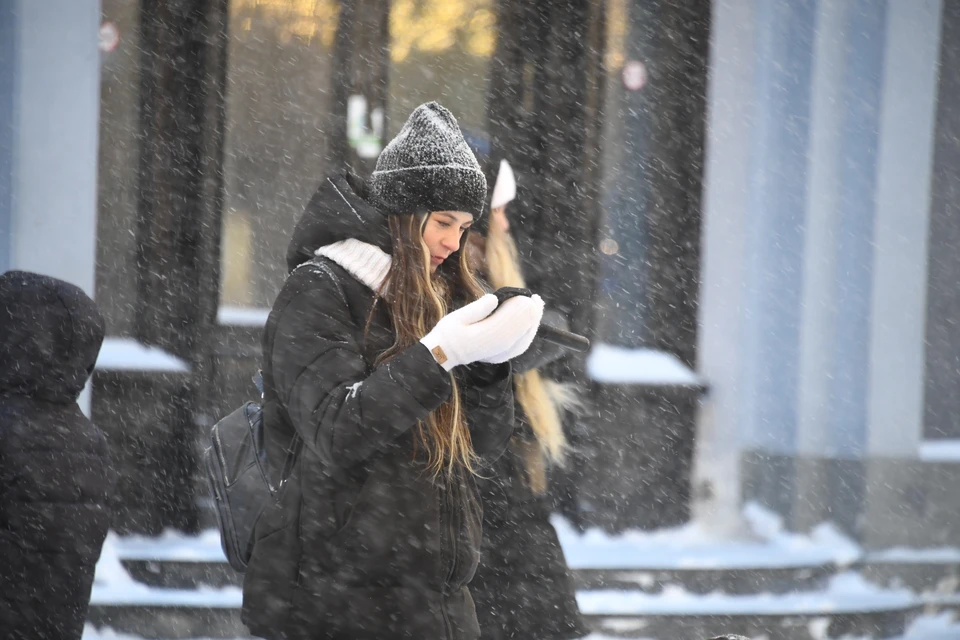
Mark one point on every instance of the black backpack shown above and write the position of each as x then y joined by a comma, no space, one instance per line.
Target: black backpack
240,472
238,467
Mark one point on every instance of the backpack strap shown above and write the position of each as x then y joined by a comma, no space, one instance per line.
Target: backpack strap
268,388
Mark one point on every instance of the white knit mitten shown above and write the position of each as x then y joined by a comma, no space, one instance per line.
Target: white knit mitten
457,339
520,317
474,333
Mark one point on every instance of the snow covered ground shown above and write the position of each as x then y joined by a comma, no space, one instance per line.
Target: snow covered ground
688,547
693,546
934,627
90,633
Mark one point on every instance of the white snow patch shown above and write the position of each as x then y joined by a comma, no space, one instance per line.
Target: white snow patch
171,545
768,525
692,546
126,354
941,626
242,316
112,585
225,598
107,633
934,555
621,365
354,389
846,593
946,450
819,628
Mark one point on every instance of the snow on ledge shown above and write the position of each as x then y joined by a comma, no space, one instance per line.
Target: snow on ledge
231,316
846,593
909,555
621,365
170,546
126,354
947,450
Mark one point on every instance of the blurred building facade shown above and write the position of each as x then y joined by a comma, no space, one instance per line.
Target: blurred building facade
164,173
828,323
828,333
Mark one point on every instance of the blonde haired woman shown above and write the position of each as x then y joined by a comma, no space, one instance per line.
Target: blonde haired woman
523,588
396,400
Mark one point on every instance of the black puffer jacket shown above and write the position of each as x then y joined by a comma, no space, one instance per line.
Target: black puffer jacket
364,543
55,474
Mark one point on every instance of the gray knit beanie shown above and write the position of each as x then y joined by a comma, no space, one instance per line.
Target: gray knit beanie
428,167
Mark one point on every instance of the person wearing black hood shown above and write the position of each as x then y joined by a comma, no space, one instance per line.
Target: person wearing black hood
398,402
55,471
523,588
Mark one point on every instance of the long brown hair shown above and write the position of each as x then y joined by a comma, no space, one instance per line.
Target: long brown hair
416,300
537,397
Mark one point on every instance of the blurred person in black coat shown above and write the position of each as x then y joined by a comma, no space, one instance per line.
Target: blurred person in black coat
523,588
55,471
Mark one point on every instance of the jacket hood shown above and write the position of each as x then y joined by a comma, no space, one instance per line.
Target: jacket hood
339,210
50,336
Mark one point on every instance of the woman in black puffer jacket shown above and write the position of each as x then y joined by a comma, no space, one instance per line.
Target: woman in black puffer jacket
377,532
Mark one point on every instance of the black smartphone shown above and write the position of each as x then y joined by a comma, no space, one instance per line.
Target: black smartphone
566,339
505,293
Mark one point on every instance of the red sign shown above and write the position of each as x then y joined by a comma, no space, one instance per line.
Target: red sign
634,75
109,37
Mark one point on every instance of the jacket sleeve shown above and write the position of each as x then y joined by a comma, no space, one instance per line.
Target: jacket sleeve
487,391
344,409
541,352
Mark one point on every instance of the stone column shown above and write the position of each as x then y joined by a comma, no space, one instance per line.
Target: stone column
50,93
721,347
56,116
894,507
838,263
776,205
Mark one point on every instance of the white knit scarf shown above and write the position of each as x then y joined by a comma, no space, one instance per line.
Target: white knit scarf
365,262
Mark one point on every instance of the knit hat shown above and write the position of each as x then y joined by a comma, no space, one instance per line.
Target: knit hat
428,167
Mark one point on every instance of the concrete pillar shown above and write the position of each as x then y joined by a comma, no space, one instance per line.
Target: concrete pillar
775,245
722,337
942,410
56,113
820,265
50,95
838,263
898,307
814,260
8,68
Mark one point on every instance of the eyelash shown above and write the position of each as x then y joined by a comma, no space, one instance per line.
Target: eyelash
445,225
